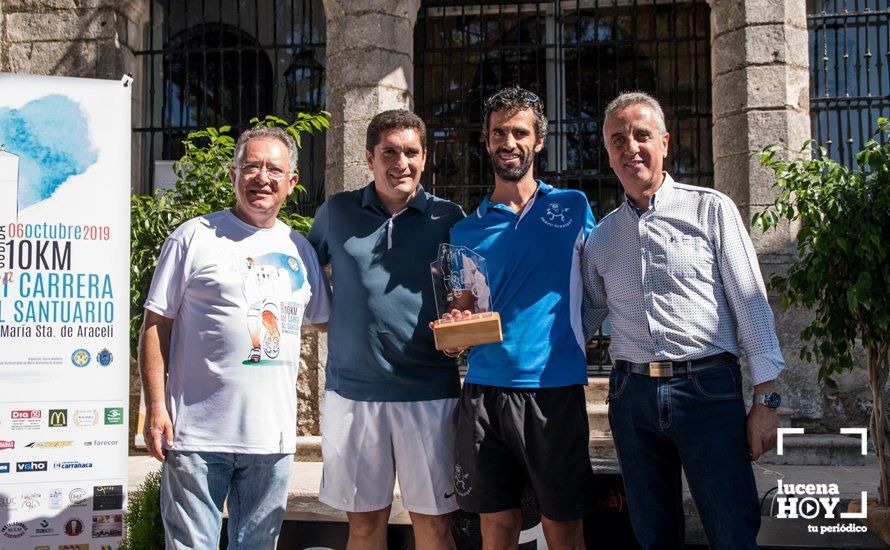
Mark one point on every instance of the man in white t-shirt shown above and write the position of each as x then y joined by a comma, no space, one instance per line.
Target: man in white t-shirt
223,317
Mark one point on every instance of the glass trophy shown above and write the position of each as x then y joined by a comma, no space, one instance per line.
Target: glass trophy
460,281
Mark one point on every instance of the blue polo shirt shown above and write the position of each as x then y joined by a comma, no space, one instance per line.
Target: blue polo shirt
380,347
534,263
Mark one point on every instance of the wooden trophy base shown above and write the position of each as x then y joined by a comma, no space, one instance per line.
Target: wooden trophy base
481,328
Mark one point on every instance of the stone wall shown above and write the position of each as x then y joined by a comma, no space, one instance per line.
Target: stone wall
370,68
86,38
761,75
310,380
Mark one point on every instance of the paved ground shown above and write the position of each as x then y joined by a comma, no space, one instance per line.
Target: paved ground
303,501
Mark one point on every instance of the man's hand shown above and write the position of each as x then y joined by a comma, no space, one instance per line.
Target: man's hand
454,315
154,355
158,430
762,425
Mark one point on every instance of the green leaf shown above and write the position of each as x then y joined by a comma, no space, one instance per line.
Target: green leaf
842,271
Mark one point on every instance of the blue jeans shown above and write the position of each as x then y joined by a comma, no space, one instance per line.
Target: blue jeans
194,486
698,421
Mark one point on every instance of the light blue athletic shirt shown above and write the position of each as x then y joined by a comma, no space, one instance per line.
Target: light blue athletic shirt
534,263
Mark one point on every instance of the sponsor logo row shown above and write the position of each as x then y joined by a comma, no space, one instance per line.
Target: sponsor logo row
105,498
34,419
31,466
6,444
103,526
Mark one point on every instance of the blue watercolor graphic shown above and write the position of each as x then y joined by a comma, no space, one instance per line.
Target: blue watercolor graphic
50,136
288,263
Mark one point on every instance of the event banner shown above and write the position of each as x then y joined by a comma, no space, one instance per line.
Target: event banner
64,286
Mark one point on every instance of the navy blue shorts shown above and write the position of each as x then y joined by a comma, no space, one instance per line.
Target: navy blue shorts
507,438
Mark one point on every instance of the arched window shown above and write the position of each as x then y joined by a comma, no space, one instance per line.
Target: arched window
213,73
223,63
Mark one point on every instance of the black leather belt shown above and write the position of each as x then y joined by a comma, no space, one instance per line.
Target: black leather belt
676,368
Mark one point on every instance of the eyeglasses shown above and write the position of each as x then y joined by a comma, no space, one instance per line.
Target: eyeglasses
253,170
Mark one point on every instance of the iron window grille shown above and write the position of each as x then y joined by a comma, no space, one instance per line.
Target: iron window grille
577,56
850,72
214,62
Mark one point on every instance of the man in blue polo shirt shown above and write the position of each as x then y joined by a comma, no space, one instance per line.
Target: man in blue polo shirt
389,394
522,413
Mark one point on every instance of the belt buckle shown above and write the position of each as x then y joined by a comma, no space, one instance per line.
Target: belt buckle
658,369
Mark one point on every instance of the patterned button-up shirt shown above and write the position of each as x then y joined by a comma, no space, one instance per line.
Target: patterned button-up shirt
680,281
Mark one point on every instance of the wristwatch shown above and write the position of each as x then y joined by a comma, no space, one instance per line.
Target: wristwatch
772,400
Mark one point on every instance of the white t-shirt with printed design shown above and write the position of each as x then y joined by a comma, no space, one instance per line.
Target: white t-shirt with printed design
238,295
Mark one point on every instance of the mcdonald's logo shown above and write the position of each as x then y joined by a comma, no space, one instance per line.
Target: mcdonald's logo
58,418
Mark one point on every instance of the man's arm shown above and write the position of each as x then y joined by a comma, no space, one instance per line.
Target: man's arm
594,308
154,356
762,423
318,238
746,296
323,327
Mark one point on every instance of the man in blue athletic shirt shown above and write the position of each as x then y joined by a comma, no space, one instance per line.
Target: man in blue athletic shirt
522,414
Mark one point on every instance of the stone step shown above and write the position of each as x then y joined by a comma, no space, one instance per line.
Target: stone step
598,419
597,389
784,417
817,450
308,448
602,446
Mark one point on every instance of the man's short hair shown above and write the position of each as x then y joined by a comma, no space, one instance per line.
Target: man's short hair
626,99
268,132
395,119
514,98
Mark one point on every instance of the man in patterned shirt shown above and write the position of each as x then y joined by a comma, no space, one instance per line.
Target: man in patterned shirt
676,271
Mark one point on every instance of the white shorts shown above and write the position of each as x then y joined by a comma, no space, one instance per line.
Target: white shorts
365,443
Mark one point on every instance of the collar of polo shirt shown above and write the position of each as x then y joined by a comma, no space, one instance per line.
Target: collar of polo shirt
486,203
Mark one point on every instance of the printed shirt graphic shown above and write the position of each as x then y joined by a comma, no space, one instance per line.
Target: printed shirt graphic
269,283
238,295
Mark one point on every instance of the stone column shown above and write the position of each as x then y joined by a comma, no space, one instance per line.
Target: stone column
310,381
760,75
3,47
370,68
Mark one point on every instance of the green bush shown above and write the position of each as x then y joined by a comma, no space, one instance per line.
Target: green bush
203,186
842,273
145,530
